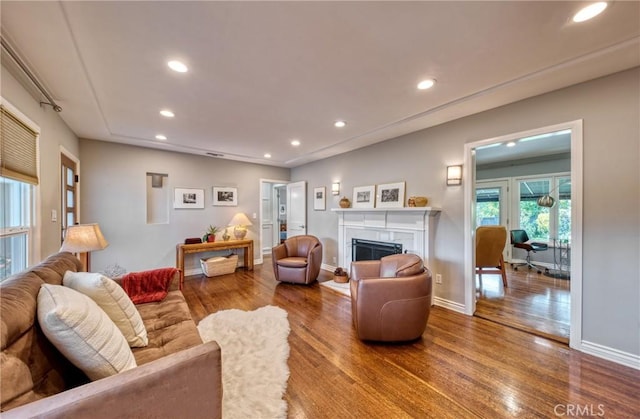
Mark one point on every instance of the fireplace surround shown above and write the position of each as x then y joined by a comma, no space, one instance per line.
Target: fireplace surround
411,227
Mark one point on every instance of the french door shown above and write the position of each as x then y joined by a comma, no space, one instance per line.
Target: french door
492,207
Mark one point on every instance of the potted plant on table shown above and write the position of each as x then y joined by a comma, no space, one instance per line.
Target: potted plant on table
210,235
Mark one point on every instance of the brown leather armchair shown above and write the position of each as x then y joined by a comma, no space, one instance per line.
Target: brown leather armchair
390,298
490,242
297,260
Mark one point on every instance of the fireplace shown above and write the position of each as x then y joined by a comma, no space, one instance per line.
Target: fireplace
373,250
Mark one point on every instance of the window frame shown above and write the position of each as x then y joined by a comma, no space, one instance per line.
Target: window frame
32,210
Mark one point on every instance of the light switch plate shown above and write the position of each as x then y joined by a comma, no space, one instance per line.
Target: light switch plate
54,216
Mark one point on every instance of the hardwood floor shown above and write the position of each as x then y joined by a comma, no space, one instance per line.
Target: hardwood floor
462,367
532,302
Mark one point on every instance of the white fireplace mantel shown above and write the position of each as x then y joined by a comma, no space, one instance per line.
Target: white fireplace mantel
410,226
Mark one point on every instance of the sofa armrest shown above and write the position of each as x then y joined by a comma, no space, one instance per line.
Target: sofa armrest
185,384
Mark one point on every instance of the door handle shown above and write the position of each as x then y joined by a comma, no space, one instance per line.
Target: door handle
302,226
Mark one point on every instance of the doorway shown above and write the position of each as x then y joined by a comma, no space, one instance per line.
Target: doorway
488,191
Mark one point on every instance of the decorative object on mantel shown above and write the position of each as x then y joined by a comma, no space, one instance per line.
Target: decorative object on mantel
226,236
240,222
364,196
417,201
344,202
390,195
210,235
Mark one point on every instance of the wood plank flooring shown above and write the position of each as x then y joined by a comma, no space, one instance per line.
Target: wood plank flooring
532,302
462,367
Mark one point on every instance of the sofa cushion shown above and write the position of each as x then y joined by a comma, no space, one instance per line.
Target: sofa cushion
113,300
83,332
170,328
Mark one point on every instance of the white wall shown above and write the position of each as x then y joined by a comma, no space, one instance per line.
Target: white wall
114,195
53,134
609,107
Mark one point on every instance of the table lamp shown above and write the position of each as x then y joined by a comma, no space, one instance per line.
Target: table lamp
83,239
240,222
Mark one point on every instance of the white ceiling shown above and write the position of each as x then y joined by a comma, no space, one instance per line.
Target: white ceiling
264,73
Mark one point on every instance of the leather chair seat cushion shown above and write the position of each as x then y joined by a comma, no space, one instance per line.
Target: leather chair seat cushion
293,262
170,328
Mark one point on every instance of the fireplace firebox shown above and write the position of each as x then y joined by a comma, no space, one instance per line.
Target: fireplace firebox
373,250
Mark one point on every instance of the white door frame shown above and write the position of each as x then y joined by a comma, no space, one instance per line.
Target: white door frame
261,182
575,327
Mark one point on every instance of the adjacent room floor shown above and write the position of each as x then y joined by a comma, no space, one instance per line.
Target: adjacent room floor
532,302
462,367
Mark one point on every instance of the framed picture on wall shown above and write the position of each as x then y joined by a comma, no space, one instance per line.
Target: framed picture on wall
319,198
225,196
186,198
364,196
390,195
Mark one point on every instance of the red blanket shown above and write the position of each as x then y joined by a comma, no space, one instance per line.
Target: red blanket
148,286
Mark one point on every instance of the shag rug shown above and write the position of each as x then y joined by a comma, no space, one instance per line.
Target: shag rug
337,286
254,360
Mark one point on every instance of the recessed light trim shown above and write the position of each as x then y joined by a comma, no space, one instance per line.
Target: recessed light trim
295,143
161,137
178,66
267,155
426,84
511,144
590,11
167,113
340,124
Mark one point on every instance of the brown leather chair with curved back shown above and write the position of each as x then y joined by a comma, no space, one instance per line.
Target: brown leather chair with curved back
297,260
390,298
490,242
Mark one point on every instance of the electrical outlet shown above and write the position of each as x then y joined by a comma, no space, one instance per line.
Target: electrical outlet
438,279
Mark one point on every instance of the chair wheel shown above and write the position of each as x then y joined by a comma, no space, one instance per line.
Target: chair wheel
515,268
539,272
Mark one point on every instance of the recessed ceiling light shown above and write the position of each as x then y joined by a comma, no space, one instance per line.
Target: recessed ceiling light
590,11
177,66
511,144
295,143
267,155
340,124
167,113
426,84
161,137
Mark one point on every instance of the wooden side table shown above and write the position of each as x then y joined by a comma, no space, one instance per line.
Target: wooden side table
185,249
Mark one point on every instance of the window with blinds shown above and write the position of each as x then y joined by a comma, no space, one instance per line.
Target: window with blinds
18,177
18,149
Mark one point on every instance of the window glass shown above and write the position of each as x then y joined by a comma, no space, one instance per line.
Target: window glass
15,228
487,206
534,219
564,208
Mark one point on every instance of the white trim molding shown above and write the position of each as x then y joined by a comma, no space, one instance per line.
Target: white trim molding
611,354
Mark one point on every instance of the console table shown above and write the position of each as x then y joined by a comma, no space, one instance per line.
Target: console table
185,249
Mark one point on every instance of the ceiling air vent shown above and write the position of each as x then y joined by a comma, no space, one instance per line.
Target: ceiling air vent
215,154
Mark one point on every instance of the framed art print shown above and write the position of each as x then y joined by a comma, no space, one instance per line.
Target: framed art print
225,196
185,198
319,198
390,195
364,196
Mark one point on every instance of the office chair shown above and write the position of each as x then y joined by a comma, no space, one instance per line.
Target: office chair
519,239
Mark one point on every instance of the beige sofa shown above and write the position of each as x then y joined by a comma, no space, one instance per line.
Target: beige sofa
177,374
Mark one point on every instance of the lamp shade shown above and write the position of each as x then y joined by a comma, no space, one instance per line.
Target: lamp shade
83,238
240,219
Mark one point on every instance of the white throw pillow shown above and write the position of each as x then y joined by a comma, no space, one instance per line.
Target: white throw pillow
82,332
113,300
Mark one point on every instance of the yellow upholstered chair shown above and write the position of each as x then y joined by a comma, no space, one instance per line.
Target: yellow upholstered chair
490,242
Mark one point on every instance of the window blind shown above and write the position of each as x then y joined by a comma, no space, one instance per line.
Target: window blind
18,149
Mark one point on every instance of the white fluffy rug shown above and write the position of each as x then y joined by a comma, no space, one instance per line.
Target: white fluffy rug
337,286
254,360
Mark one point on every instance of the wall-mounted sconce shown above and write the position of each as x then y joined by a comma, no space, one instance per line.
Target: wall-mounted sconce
335,188
454,175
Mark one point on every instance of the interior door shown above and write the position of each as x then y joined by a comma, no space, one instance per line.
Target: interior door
492,207
297,211
69,181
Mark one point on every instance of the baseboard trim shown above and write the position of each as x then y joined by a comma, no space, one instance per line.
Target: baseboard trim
611,354
326,267
448,304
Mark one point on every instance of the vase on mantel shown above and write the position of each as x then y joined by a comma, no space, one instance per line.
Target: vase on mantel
344,202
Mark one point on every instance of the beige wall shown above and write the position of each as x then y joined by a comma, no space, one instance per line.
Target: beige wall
54,134
114,195
609,107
